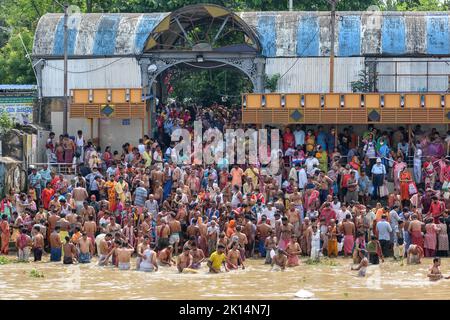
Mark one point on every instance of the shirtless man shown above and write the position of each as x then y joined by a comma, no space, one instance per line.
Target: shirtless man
123,252
163,232
293,216
165,257
90,227
305,236
234,258
197,256
192,230
262,232
141,247
104,250
362,267
293,251
38,244
87,211
242,239
70,251
435,273
55,245
184,260
175,230
86,247
279,261
347,227
270,244
52,220
286,230
415,231
414,254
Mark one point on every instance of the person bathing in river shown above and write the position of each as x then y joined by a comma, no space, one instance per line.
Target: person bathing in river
184,260
415,254
279,260
217,259
70,251
435,272
165,257
234,259
293,250
362,267
197,256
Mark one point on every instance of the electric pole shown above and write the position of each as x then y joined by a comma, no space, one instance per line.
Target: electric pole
66,97
333,19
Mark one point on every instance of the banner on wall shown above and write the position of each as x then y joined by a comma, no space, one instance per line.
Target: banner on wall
19,109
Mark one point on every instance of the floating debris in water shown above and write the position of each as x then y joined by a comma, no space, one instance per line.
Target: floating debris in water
322,261
34,273
304,294
346,294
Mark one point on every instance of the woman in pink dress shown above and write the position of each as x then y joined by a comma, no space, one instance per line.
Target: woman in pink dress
431,230
398,167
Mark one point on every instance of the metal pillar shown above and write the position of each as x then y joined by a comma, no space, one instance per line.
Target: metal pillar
333,19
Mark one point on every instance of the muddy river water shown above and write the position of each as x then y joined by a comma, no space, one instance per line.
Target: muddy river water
390,280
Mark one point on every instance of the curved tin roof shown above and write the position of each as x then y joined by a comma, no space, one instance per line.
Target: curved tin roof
282,34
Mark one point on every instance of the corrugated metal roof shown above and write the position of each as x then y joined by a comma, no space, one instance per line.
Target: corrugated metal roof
282,34
18,87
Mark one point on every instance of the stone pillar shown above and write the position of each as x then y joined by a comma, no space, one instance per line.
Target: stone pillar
260,72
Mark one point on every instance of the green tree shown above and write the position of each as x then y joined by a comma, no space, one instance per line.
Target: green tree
15,67
5,122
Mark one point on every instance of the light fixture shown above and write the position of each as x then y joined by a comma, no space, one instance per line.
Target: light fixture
152,68
200,58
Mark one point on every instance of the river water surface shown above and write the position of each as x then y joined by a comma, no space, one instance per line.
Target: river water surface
389,280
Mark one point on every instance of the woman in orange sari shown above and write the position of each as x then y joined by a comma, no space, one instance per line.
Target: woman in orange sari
405,181
111,191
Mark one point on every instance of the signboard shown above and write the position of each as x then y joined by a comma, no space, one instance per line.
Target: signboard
19,109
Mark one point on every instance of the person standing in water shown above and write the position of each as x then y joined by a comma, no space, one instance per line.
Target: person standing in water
184,260
148,263
70,252
362,267
217,259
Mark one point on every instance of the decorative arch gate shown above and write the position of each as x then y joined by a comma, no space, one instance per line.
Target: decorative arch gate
200,35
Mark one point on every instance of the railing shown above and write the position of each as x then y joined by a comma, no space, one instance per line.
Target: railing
58,168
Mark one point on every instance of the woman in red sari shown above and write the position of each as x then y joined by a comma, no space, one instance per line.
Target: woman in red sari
405,180
288,139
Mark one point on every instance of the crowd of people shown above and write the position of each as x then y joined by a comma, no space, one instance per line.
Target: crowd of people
334,194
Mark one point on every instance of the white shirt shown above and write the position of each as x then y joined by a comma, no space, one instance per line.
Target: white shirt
299,137
336,206
79,141
270,214
310,162
302,178
141,148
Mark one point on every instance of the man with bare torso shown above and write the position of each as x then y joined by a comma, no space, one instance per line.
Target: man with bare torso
279,260
55,245
123,253
162,233
38,244
87,211
175,230
262,232
90,227
70,251
286,230
165,257
86,248
184,260
104,249
293,216
234,257
347,227
197,256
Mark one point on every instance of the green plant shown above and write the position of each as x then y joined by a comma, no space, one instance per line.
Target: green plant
322,261
366,82
4,260
271,83
5,122
34,273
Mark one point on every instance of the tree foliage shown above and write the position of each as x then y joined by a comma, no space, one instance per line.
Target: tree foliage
207,86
